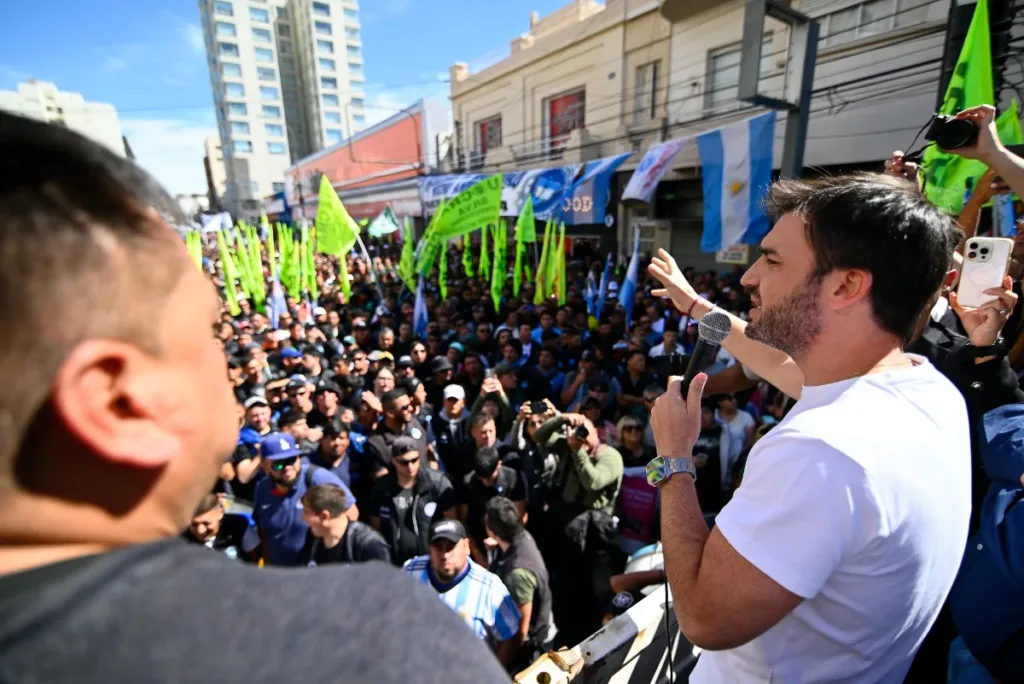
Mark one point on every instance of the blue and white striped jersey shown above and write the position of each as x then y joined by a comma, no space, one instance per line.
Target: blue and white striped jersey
480,598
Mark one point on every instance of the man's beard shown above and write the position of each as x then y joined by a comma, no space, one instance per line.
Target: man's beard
792,324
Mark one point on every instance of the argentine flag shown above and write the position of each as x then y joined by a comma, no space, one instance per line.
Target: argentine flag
627,293
737,168
419,313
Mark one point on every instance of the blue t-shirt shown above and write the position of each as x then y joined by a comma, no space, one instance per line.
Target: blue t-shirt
279,516
342,471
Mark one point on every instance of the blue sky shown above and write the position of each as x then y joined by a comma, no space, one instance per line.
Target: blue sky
147,59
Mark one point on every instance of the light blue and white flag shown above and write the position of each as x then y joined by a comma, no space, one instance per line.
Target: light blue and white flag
1004,222
737,168
419,313
276,304
602,289
384,224
627,293
590,293
656,162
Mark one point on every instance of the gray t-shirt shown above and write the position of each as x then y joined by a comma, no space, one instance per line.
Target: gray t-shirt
174,612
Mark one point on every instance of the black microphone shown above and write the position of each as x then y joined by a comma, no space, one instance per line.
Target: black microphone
711,332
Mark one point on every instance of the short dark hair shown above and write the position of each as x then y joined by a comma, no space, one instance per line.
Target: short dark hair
502,518
86,241
881,224
485,460
409,385
391,396
482,419
289,418
207,504
513,342
326,497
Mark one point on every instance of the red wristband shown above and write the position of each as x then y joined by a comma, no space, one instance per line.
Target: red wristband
690,310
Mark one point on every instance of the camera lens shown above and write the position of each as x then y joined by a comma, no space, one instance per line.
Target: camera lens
984,250
972,246
971,255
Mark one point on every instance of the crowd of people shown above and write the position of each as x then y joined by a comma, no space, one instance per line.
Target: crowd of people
500,460
507,448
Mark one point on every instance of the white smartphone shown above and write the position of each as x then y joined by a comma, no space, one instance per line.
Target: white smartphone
986,262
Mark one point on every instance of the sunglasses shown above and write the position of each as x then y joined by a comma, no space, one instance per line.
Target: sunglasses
408,462
631,428
280,465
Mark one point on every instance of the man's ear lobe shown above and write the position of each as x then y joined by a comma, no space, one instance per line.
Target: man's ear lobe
109,402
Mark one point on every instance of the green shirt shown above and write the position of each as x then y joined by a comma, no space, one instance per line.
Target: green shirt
522,584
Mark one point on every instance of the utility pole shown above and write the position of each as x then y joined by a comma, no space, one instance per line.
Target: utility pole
799,82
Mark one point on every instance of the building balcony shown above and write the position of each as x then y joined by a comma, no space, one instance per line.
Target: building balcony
573,147
676,11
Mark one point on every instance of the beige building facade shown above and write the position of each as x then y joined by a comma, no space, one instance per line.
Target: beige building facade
595,80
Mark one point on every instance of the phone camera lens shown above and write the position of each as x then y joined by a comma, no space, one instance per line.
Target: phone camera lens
984,250
973,246
971,255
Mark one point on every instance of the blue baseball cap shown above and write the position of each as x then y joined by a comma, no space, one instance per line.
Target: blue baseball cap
291,353
278,446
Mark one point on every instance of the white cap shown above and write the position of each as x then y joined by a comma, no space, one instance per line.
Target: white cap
319,311
454,392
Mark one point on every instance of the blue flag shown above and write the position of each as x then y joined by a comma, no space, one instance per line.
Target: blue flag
737,168
627,293
419,313
602,289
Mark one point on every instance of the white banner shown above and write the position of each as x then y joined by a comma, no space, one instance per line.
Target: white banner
657,160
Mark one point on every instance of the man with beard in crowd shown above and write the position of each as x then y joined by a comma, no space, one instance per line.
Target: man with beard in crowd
133,393
406,499
277,508
398,422
326,398
332,454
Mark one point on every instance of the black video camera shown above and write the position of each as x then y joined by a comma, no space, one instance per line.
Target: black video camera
950,133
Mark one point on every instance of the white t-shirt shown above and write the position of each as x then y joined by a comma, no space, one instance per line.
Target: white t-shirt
859,501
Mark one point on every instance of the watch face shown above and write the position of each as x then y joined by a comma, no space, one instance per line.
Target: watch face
657,470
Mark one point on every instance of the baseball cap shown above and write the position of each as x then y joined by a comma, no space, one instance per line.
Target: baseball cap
319,311
454,392
348,339
382,311
327,386
503,369
255,401
297,382
440,365
588,355
405,361
291,353
360,324
278,446
403,445
452,530
377,355
457,346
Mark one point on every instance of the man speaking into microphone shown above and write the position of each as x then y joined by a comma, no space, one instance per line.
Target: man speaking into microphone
834,557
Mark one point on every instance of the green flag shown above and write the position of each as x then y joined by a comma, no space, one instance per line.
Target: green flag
1008,126
384,224
542,267
517,272
485,257
336,230
194,245
259,291
467,255
563,284
407,264
343,281
525,224
314,291
947,175
499,274
228,268
442,271
271,256
303,262
478,205
555,263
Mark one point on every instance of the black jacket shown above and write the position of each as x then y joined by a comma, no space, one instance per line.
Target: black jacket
229,539
523,553
432,497
360,544
451,443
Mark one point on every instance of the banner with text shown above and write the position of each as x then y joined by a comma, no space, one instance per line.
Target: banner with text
657,160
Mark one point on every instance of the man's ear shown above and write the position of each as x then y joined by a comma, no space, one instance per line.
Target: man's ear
950,278
107,398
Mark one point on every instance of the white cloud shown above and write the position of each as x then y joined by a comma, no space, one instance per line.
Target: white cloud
171,150
194,38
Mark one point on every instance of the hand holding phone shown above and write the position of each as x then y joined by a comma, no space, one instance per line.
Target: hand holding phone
986,261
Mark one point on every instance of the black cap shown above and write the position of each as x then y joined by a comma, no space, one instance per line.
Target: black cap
402,446
327,387
440,364
588,355
452,530
404,362
503,369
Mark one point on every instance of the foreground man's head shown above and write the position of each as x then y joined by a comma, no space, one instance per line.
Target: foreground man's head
115,408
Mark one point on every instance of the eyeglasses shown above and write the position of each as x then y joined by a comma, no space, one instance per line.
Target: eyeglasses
407,407
631,428
280,465
408,462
